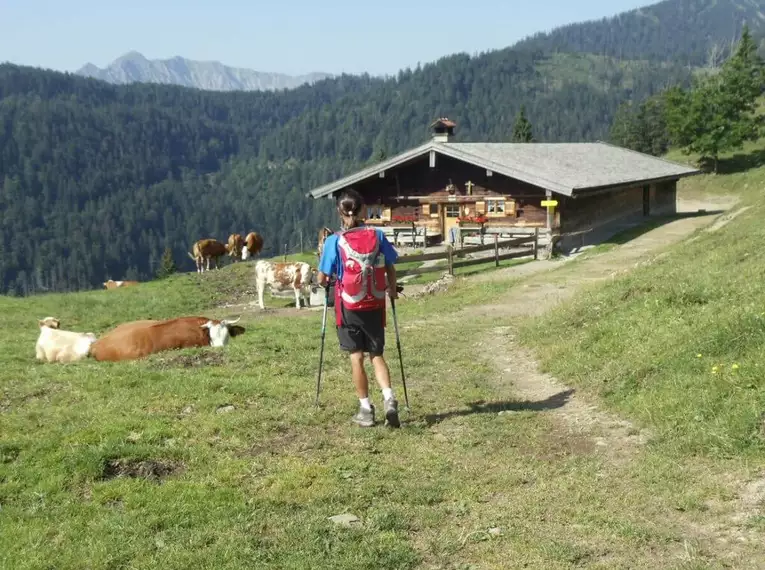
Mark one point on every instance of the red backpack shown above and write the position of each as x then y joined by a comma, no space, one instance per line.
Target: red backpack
363,284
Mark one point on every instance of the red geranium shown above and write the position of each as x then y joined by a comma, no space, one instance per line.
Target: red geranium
480,219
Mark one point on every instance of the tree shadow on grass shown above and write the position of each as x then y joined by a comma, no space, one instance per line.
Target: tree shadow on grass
553,402
739,162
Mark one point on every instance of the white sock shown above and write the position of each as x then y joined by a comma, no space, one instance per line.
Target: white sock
365,403
387,393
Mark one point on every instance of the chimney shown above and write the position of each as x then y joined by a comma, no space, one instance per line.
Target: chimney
443,129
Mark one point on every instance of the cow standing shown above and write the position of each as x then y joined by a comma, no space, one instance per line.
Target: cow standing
139,339
206,249
234,246
253,244
282,276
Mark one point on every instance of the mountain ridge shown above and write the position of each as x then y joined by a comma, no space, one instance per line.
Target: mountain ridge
134,67
691,31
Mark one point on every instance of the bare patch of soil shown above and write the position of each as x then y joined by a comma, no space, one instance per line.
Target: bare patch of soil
209,358
519,375
149,469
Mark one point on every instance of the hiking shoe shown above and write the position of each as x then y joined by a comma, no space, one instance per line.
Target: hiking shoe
391,413
364,417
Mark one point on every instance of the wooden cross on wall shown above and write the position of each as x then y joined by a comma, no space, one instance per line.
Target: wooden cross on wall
469,185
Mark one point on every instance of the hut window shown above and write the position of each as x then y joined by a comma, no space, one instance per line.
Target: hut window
433,210
374,212
496,207
452,210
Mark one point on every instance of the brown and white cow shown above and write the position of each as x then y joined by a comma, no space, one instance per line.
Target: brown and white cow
111,284
139,339
234,246
206,249
283,276
253,243
55,345
324,233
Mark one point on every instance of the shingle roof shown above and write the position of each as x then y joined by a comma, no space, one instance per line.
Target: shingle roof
563,168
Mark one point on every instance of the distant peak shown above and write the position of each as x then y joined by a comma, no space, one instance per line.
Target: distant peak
131,56
89,68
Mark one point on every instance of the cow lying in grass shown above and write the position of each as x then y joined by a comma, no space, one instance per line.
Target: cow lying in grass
138,339
111,284
55,345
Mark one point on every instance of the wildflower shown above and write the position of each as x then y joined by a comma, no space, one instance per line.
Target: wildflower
698,355
715,369
735,367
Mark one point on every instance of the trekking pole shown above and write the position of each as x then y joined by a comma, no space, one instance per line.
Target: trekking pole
399,288
323,334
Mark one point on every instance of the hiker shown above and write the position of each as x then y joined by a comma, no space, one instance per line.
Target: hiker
350,255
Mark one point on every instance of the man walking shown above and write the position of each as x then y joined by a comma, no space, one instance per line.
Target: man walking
361,258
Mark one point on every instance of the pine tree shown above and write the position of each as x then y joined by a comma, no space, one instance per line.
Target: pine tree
719,113
642,128
522,129
379,155
167,264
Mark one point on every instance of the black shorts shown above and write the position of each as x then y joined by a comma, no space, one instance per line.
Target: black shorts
362,331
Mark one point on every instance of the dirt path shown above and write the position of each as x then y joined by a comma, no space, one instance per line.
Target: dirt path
518,377
546,284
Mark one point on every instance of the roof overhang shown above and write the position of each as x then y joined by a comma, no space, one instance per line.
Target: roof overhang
328,189
446,149
594,190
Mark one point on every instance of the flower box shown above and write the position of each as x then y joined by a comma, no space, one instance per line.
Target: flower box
470,221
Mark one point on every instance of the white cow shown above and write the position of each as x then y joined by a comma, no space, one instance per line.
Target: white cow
55,345
283,276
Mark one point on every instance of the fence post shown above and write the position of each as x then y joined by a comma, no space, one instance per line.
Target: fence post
450,259
285,252
414,235
536,243
496,250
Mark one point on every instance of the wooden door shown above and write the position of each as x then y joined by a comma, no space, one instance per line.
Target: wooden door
449,215
646,200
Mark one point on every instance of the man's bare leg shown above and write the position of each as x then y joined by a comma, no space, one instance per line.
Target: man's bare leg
366,414
382,375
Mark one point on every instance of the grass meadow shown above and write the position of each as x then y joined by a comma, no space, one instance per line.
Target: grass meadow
217,459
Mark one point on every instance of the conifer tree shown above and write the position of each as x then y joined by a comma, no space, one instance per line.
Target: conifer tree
720,113
167,265
522,131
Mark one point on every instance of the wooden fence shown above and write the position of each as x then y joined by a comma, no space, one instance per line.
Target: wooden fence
453,257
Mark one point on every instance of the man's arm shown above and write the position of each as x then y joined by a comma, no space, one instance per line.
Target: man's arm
391,257
390,271
327,262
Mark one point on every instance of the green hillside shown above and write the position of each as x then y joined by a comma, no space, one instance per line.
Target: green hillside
216,458
688,31
678,344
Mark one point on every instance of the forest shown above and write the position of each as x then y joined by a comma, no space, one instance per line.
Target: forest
693,32
97,180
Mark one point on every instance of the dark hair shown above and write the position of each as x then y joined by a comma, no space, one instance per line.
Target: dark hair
349,203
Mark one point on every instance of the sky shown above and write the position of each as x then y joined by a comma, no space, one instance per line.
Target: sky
294,37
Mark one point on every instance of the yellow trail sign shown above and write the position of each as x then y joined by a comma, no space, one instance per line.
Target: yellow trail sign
549,203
